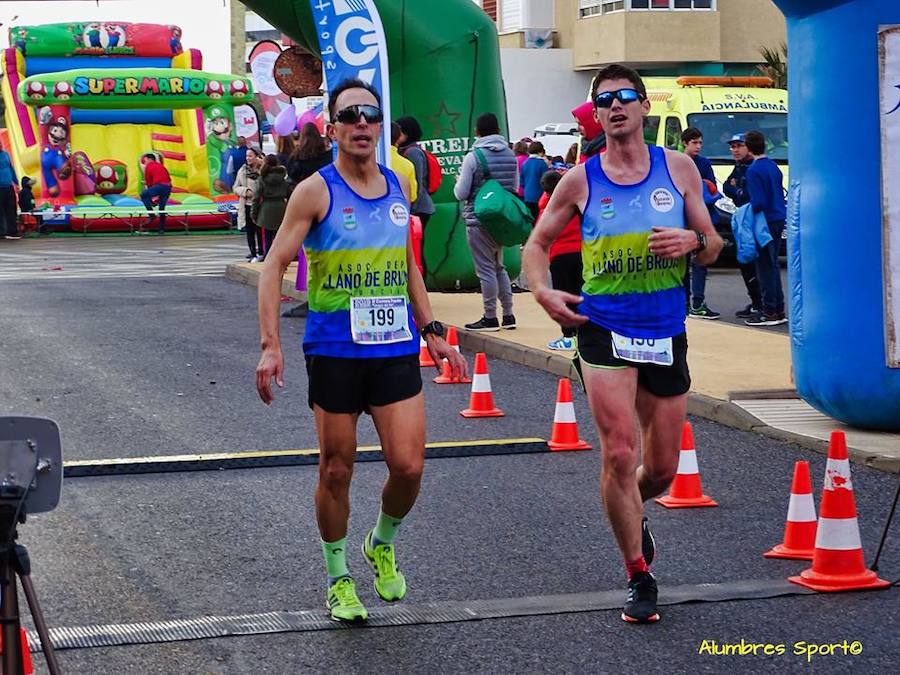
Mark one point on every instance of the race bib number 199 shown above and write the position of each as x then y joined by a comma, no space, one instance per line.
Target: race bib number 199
643,350
379,320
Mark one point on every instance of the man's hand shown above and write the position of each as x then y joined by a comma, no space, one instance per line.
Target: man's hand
440,350
271,365
556,304
670,242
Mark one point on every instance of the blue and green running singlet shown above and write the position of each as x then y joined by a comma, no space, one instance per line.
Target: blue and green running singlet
627,289
357,260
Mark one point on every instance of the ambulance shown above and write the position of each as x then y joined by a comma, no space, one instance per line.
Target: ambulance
719,107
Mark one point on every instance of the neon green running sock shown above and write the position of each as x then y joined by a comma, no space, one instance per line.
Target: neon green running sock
385,529
335,559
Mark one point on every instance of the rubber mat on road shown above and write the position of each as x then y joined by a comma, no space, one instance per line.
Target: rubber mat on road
263,459
452,611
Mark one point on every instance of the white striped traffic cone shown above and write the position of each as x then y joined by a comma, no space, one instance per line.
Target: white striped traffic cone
425,359
686,491
837,563
800,527
481,403
564,435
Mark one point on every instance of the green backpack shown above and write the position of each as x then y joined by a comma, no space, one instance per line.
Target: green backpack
501,213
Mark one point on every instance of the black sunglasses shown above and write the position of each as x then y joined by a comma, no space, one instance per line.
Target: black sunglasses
351,114
625,96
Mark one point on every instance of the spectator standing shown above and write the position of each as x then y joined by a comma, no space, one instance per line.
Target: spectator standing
735,188
408,145
284,146
487,254
26,204
309,155
158,186
245,189
566,272
530,176
521,151
402,166
272,192
765,189
592,136
9,182
692,138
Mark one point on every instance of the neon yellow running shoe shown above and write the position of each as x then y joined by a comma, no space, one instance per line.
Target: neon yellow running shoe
343,602
390,584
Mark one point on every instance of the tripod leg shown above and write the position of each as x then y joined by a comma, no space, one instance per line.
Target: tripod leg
35,608
9,616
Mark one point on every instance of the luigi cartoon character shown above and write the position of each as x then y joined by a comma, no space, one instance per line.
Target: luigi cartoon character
220,143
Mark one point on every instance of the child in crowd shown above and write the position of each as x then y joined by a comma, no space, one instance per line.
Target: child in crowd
565,258
26,206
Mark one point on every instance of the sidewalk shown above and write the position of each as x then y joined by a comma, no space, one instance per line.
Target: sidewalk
741,376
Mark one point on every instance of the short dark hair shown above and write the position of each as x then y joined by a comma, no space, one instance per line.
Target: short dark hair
536,148
616,71
487,124
755,142
150,155
550,180
344,85
691,134
410,126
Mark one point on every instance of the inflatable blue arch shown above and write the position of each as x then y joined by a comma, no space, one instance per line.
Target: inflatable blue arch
844,334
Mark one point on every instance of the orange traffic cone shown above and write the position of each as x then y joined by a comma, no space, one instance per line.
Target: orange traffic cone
27,666
481,403
453,338
686,491
425,359
564,435
446,376
837,563
800,527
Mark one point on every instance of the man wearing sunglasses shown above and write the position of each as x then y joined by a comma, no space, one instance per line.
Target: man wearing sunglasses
366,299
642,212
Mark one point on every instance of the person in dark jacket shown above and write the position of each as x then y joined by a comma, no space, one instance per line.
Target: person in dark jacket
26,203
309,155
735,188
408,145
9,225
487,253
765,189
530,176
695,280
272,192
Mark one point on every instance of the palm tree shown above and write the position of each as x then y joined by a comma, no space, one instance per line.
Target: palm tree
775,65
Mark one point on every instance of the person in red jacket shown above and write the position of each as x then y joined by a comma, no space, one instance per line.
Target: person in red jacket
565,259
159,187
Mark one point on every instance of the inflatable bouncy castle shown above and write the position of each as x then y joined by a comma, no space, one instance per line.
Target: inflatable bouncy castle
84,102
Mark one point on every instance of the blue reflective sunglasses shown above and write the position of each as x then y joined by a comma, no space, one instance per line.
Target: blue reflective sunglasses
625,96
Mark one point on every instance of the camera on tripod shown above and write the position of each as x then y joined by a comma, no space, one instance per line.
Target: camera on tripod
31,473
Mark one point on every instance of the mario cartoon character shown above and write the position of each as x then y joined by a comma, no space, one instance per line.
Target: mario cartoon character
220,144
62,91
36,91
92,35
175,40
238,89
214,89
21,42
113,33
55,164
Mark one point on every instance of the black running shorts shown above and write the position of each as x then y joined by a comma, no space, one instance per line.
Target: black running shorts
595,350
340,385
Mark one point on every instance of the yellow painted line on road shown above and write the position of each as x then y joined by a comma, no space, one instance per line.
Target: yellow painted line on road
261,454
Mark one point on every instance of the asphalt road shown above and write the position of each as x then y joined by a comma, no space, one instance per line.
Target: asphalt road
726,293
108,359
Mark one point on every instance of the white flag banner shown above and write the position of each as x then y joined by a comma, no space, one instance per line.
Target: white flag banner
889,51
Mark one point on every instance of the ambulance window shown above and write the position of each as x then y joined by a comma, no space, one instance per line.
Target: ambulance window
651,130
673,133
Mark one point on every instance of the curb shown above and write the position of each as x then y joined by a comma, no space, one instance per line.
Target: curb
699,405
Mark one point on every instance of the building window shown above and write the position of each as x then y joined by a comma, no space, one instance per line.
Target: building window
594,7
672,4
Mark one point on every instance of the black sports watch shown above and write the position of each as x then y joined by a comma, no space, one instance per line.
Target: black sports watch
434,328
701,241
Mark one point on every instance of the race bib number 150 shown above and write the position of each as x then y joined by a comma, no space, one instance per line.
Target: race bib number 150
643,350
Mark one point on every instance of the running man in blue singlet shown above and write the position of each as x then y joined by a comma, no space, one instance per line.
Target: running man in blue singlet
367,307
642,211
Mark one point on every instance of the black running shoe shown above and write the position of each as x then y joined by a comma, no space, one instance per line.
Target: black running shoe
641,604
748,312
509,322
648,543
485,325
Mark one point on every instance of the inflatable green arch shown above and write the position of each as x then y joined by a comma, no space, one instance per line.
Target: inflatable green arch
444,61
